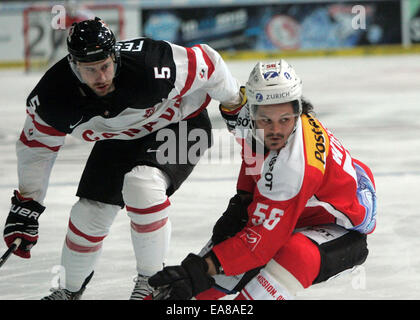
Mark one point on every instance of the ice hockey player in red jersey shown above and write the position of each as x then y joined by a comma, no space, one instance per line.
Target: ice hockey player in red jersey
119,95
303,206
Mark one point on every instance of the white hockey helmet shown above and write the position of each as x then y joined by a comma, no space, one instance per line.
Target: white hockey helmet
273,83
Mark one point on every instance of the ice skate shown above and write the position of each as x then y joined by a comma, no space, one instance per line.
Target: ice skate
64,294
142,289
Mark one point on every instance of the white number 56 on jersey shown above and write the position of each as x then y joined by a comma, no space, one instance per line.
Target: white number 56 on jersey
260,216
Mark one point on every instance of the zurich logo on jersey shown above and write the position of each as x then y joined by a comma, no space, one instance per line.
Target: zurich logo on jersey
259,97
287,75
270,75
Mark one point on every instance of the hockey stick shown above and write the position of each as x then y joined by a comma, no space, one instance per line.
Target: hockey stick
9,251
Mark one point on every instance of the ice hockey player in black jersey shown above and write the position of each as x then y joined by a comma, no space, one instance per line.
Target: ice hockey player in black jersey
119,95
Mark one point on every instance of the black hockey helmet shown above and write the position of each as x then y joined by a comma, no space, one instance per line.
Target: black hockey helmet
90,40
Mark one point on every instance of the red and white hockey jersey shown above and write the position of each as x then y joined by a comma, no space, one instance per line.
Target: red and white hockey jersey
158,83
311,181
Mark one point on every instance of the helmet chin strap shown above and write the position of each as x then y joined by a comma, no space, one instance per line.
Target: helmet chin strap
73,67
296,124
293,131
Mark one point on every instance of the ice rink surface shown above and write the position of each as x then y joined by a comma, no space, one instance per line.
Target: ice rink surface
371,104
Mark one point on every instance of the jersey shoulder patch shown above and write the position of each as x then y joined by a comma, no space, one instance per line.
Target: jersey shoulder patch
316,142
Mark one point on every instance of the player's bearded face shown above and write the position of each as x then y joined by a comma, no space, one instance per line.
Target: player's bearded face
98,75
277,121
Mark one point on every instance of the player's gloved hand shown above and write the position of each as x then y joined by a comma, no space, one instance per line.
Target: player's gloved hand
182,282
22,222
233,220
230,112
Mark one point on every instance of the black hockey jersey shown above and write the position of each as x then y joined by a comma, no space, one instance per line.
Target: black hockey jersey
158,83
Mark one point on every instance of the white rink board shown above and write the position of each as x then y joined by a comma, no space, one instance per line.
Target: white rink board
372,104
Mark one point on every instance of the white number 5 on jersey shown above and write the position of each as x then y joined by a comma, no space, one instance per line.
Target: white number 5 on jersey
164,73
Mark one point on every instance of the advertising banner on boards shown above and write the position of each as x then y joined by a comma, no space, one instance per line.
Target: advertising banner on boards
415,21
278,26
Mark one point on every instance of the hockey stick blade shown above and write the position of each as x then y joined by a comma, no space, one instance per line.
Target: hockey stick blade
9,251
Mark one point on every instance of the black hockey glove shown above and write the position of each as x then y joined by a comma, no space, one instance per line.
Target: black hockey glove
182,282
22,222
233,220
230,113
